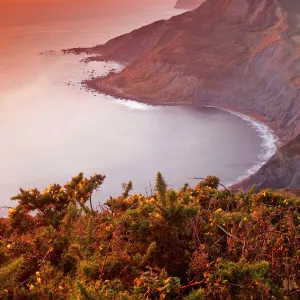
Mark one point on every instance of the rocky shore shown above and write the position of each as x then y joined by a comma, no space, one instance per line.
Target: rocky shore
281,171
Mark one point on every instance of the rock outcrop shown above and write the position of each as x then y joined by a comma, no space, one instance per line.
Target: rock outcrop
230,53
188,4
281,171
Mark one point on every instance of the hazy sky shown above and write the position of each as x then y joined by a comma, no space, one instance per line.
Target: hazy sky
16,9
72,1
103,2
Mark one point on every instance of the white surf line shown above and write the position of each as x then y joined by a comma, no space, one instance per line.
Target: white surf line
268,144
269,139
134,105
98,70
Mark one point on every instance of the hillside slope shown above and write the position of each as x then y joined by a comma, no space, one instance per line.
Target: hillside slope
188,4
281,171
126,48
225,53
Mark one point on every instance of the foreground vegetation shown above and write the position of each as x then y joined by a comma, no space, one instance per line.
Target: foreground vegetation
194,243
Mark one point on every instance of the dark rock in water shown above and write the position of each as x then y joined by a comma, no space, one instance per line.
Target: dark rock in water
188,4
49,52
282,170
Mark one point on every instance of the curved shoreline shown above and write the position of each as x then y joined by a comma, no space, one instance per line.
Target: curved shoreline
268,144
267,135
270,140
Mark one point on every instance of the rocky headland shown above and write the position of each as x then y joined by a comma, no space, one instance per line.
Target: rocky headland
235,54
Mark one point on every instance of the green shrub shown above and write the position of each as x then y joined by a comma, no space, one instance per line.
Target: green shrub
192,243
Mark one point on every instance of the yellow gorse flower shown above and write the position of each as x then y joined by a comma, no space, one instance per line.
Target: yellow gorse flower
107,228
31,287
11,211
38,274
8,246
38,280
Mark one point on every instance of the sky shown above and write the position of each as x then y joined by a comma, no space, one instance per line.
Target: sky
57,1
16,9
103,2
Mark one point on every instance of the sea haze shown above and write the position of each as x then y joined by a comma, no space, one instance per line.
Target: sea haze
51,128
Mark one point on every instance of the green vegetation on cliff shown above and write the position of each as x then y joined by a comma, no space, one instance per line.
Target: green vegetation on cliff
194,243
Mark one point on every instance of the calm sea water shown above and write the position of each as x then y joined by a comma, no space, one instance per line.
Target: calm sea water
51,128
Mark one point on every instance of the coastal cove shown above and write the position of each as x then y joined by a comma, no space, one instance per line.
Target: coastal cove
54,128
269,140
150,149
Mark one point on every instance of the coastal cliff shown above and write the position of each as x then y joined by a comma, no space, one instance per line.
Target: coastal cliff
188,4
282,170
234,54
237,55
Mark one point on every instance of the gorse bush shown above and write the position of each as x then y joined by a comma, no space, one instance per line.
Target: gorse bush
193,243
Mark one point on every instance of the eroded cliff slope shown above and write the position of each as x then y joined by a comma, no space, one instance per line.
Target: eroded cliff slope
233,53
281,171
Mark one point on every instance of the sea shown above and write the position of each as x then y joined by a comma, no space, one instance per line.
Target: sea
52,128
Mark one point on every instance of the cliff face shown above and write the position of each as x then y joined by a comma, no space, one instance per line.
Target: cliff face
233,53
281,171
188,4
